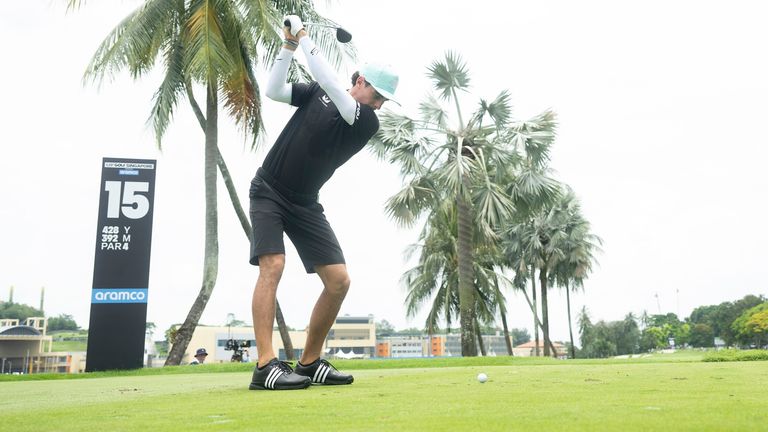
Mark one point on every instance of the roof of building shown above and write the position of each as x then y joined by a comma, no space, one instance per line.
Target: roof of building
531,344
19,330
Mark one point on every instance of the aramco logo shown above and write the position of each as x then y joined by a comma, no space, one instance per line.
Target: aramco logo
119,295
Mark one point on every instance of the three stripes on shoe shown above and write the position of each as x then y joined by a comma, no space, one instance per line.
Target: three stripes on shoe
274,374
321,373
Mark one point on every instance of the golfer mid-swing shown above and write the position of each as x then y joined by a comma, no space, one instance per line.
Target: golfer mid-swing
330,126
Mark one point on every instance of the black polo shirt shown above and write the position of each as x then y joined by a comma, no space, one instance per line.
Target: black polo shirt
316,140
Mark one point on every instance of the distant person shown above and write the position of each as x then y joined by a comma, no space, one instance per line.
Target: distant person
246,356
330,126
200,356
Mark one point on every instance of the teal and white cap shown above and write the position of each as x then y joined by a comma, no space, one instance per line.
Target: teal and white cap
382,77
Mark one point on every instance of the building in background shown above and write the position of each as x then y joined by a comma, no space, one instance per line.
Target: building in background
23,346
26,348
528,349
349,337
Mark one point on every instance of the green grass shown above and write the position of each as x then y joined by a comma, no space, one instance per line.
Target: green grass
657,393
67,340
69,346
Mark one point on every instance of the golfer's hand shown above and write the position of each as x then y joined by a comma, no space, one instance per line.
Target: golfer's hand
287,33
295,28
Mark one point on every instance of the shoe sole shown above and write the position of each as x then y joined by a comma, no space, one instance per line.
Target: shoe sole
350,381
299,386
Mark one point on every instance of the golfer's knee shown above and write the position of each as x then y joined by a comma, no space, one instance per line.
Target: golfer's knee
339,284
271,266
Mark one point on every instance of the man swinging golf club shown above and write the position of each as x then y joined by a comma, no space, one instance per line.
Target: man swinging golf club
330,126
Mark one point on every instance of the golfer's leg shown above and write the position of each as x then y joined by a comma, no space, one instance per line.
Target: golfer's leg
263,304
336,284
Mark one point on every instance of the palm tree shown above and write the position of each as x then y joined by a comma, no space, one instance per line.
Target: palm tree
459,163
213,43
435,278
558,243
579,248
536,243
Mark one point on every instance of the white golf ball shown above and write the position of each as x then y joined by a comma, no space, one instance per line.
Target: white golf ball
482,377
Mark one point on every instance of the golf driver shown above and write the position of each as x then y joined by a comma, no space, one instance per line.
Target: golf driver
342,35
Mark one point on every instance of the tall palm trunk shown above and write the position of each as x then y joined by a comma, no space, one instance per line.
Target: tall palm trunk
570,326
535,312
537,323
507,339
211,258
545,310
284,334
466,288
479,334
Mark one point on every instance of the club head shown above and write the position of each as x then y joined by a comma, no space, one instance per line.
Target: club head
342,35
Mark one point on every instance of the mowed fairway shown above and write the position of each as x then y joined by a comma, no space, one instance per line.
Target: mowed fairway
551,395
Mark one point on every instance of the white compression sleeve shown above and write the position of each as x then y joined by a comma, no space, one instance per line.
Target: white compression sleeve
277,88
323,74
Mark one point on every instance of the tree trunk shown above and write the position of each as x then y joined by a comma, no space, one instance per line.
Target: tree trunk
537,323
545,312
570,326
507,339
466,288
535,311
479,334
284,335
211,258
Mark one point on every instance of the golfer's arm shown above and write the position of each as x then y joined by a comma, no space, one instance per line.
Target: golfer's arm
277,88
323,74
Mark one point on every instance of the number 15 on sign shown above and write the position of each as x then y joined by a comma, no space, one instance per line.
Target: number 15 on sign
127,198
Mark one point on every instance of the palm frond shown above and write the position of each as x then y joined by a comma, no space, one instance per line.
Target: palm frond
207,56
432,112
449,75
167,95
135,42
406,206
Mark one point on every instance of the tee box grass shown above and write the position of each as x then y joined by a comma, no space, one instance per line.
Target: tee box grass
679,393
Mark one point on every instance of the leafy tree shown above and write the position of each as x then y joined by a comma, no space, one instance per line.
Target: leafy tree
520,336
734,312
721,317
702,336
384,328
411,331
751,328
602,348
62,322
585,328
213,44
605,339
18,311
653,338
627,335
662,319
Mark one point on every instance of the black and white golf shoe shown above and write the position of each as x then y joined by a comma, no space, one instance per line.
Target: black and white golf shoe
322,372
277,375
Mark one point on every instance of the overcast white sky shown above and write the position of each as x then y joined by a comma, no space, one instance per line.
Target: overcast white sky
661,104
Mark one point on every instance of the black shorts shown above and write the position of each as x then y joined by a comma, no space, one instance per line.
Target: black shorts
273,214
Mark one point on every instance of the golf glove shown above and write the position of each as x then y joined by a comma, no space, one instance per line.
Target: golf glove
296,24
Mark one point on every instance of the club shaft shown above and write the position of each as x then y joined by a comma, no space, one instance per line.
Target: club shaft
288,24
